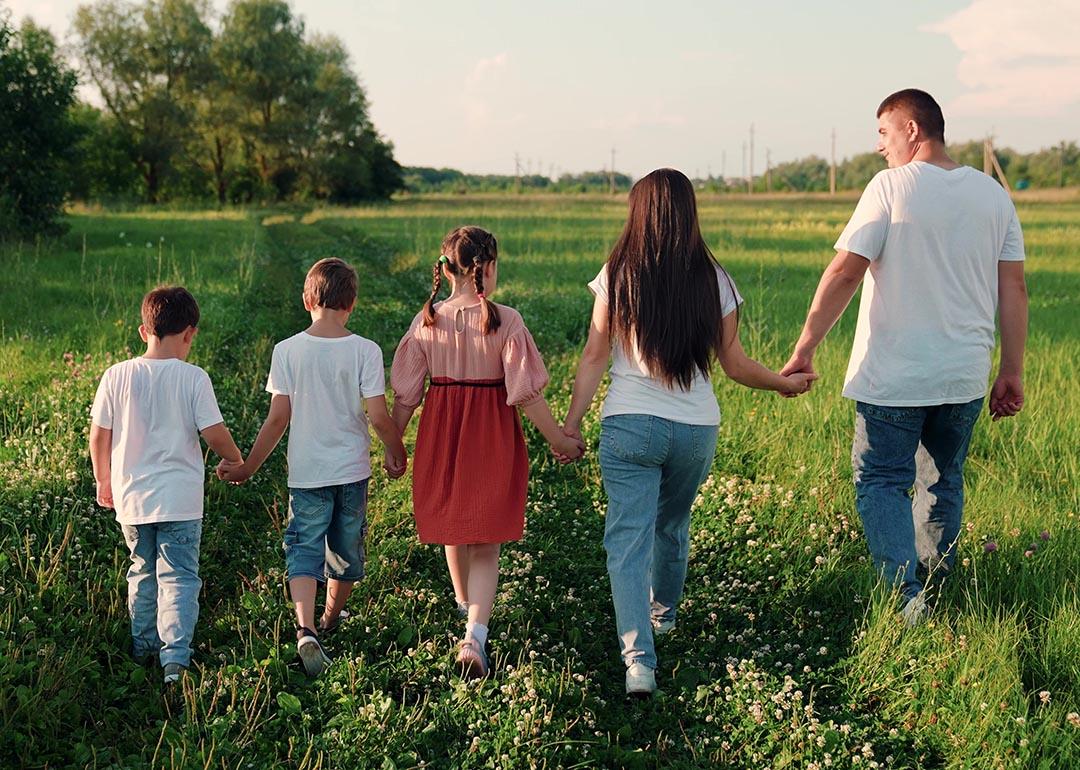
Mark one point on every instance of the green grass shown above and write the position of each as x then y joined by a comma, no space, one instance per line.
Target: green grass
785,654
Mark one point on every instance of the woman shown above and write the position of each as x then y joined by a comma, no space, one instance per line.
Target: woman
663,311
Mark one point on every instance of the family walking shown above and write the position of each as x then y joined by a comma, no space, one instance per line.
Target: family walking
937,247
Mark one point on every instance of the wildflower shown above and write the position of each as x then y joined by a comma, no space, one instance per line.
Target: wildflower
1044,697
989,546
1073,718
1044,535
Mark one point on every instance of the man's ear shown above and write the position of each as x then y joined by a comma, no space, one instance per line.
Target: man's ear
913,130
143,333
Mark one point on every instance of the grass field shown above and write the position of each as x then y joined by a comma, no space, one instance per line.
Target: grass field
784,656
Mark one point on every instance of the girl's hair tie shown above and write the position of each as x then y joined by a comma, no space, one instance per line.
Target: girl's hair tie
481,295
444,259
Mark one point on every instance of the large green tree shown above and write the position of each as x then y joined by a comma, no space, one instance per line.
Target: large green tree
148,62
37,132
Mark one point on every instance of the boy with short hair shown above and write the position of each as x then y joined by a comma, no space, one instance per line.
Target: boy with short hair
321,381
144,445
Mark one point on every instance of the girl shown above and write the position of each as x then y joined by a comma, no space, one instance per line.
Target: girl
664,309
470,469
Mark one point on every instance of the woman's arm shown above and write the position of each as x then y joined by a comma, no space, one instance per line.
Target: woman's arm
746,371
591,367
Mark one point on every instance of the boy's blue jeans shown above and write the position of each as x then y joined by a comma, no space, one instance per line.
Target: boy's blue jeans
163,588
652,470
909,486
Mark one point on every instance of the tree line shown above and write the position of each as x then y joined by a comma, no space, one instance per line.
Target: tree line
246,107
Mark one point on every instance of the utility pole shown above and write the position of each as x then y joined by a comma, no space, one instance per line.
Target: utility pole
611,176
744,161
1061,166
517,171
768,170
723,163
832,166
750,178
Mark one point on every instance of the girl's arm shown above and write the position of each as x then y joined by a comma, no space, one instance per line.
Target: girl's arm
401,416
746,371
591,367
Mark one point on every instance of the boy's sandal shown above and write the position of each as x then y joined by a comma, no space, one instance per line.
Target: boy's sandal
342,616
471,661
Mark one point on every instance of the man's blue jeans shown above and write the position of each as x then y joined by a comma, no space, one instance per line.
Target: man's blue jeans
652,470
163,588
909,486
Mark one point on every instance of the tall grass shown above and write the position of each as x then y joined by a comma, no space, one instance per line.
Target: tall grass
786,655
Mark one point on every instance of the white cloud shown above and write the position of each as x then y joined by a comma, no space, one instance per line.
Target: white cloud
482,88
1016,57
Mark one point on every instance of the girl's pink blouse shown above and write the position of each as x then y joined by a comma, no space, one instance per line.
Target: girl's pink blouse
455,347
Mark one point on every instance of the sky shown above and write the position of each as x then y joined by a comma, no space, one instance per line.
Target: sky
559,84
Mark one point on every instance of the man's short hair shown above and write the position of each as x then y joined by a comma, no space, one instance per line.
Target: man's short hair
330,283
920,107
169,310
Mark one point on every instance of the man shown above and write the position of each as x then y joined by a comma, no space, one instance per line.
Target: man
944,250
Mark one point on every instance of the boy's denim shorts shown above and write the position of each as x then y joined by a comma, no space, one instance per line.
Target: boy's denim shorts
325,536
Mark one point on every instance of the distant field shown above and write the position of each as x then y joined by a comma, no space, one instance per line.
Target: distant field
784,656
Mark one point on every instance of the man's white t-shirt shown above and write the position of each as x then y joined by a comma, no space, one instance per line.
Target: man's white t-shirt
326,380
634,390
155,409
934,238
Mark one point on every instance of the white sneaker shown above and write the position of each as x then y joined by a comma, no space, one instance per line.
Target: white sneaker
640,680
661,627
915,610
312,656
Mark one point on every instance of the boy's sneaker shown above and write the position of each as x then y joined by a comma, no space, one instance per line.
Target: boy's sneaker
915,610
661,627
329,629
640,680
173,672
312,656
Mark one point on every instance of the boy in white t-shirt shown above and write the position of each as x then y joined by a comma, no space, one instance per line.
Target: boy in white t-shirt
148,465
321,381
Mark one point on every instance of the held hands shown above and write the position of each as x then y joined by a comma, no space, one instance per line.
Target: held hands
394,465
1006,396
799,371
232,472
571,447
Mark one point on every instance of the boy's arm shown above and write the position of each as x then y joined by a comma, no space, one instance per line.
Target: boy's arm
273,428
389,433
219,439
101,459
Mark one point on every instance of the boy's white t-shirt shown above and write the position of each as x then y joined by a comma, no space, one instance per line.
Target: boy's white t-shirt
326,380
934,238
155,409
634,390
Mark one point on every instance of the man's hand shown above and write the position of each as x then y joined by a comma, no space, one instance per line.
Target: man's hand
104,493
1006,396
232,472
800,363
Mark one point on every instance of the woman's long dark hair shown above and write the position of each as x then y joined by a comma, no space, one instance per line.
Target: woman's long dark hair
662,282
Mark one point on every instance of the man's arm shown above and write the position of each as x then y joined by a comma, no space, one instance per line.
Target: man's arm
1007,394
835,290
101,459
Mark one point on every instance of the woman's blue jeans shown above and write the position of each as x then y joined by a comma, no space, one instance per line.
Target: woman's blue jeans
909,486
652,470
